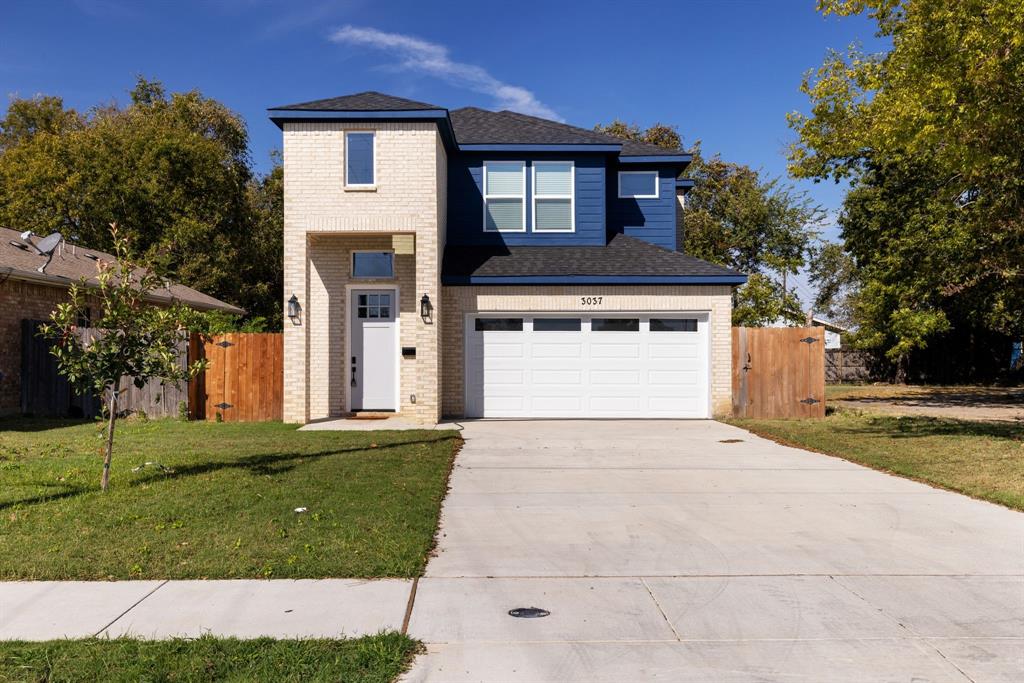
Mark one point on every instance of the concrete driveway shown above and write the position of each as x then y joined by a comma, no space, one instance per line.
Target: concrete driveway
695,551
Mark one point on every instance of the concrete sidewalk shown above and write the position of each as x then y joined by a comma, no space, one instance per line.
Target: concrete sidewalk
696,551
327,608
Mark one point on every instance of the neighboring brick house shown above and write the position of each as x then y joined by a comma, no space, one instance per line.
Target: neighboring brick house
31,286
491,264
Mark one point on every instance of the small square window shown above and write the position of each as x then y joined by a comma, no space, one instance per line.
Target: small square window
373,264
638,185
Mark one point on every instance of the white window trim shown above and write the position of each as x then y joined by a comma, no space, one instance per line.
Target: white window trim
657,185
370,278
503,196
571,196
361,186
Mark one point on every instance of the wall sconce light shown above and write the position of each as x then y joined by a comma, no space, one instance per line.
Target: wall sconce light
294,309
426,308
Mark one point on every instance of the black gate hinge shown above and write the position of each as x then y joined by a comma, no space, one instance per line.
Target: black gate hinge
810,400
809,340
223,406
225,344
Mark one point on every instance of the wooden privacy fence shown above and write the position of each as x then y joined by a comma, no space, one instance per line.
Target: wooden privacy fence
244,380
45,392
778,372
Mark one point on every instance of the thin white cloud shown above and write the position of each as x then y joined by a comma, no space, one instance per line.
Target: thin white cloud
416,54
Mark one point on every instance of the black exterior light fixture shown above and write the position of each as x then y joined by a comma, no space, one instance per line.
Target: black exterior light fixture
294,309
426,309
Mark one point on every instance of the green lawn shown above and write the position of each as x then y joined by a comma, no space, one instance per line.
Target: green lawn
222,504
371,659
981,459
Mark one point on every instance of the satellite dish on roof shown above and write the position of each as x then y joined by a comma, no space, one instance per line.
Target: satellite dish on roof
46,245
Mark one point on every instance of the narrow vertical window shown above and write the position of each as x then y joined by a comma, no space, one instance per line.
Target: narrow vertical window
359,161
504,196
553,183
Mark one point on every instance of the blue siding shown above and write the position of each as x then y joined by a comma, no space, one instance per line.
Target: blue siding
651,220
465,201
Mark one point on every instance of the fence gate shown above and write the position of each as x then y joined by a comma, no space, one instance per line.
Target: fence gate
244,378
778,372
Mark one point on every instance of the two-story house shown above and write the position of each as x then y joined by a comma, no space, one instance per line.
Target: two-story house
490,264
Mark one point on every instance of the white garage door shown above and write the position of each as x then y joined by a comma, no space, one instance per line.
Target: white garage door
622,365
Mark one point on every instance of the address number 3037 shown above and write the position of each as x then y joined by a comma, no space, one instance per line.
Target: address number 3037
591,300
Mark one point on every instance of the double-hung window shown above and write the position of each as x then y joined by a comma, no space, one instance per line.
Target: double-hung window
638,184
504,196
360,171
553,183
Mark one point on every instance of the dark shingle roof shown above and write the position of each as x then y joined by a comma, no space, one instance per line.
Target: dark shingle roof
364,101
70,264
623,256
475,126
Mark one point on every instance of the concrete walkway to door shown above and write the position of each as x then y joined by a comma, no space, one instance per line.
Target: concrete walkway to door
695,551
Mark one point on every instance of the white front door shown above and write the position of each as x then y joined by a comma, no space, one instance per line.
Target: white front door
588,365
373,367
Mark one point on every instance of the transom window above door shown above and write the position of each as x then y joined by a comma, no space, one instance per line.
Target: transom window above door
373,306
504,196
373,264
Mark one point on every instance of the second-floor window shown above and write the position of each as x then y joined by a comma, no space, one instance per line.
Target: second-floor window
553,196
359,161
504,196
638,184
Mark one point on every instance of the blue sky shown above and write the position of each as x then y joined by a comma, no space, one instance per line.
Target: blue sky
725,72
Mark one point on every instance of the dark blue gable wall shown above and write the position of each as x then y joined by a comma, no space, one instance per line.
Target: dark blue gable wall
651,220
465,201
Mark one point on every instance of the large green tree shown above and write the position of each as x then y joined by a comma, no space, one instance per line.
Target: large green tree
930,133
172,170
738,218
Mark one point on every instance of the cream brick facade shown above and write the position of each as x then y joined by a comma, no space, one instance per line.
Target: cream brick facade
459,301
324,222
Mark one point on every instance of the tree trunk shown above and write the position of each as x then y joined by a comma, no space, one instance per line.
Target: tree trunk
105,479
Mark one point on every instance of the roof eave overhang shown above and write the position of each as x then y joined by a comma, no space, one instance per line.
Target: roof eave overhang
685,184
501,147
731,280
673,159
38,278
438,116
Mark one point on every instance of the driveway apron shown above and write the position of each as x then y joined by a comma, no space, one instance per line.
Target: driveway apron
696,551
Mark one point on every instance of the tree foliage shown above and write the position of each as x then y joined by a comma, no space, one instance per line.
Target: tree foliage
931,135
736,217
172,170
133,339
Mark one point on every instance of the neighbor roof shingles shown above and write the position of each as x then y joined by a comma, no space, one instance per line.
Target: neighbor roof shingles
622,256
70,264
364,101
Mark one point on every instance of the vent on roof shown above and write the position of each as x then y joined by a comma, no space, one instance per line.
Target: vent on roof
94,257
